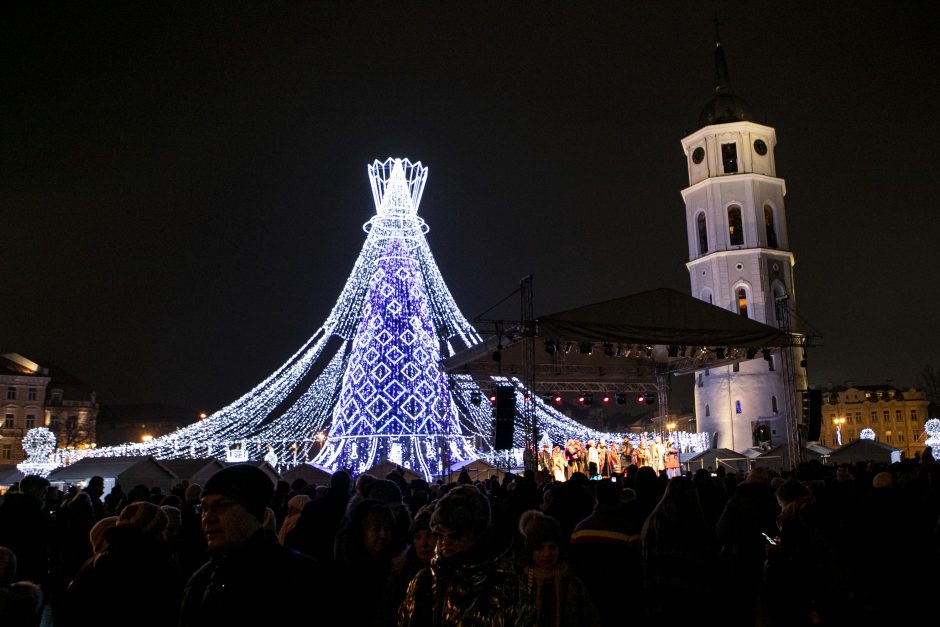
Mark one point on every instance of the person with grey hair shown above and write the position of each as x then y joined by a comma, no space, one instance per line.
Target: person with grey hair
466,584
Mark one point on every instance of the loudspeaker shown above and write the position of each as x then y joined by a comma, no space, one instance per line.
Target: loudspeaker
505,417
812,411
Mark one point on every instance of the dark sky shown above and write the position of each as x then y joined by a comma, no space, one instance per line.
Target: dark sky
184,184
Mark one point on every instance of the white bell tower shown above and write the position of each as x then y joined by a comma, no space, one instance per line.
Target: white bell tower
739,260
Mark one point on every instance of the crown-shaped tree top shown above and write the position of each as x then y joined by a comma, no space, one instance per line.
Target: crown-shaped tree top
397,185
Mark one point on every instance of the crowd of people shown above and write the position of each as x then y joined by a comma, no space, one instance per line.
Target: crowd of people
819,545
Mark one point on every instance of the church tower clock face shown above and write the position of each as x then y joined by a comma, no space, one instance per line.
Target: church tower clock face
698,155
760,147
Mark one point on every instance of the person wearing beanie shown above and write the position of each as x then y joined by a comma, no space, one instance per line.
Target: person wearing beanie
136,558
248,572
98,543
557,594
466,583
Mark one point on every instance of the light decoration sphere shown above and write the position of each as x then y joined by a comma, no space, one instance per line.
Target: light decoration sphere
932,427
39,444
867,434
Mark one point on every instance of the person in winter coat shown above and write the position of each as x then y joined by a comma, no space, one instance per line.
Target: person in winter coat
249,578
137,558
557,594
466,584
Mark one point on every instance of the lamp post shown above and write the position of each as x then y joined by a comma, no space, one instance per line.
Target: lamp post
838,422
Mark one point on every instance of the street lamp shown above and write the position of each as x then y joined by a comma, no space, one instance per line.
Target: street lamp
838,422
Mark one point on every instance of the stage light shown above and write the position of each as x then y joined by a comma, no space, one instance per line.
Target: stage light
585,348
672,350
719,353
621,398
476,398
550,347
588,398
548,398
581,398
641,398
606,398
492,398
609,350
558,399
568,347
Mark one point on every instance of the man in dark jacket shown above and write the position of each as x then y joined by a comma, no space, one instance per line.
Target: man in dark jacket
249,579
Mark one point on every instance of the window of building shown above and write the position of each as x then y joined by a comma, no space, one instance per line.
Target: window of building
858,417
736,367
913,415
30,421
31,394
735,226
898,415
737,407
874,416
708,411
700,380
742,301
702,234
54,423
770,226
729,157
773,404
888,438
6,451
71,422
887,415
900,437
9,421
11,393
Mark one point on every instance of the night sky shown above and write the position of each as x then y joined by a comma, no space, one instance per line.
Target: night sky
184,184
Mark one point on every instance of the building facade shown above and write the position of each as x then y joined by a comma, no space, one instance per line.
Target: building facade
23,383
895,416
740,260
38,396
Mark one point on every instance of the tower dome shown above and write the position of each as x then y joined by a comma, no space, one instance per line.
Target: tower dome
724,106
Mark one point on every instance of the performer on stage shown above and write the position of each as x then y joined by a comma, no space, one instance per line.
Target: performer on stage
658,455
672,459
558,465
643,454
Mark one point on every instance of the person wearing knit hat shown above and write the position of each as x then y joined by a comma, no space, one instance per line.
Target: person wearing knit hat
145,516
467,582
234,502
249,574
98,543
245,484
557,594
137,558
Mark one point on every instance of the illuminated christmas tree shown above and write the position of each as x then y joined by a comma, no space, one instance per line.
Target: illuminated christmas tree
367,386
394,403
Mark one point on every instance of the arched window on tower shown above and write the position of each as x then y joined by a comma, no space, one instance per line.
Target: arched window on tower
742,301
773,404
735,226
708,411
702,234
770,226
707,296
